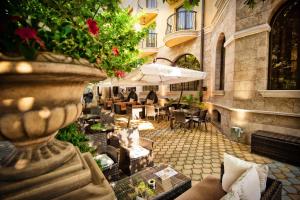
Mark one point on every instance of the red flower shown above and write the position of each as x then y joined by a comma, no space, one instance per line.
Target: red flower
26,33
29,34
120,74
115,51
92,24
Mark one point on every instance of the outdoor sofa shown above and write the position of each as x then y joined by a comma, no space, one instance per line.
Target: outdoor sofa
211,189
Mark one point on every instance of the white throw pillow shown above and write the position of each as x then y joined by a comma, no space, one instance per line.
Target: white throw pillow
235,167
247,185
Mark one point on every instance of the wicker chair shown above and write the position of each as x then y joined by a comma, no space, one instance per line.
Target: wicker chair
273,189
132,165
99,142
180,118
200,118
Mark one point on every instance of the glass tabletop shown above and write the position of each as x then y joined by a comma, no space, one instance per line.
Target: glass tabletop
164,189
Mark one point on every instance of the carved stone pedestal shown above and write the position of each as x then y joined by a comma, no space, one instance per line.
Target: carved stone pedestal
37,99
79,178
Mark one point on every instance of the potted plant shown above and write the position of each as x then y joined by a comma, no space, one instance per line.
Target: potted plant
190,100
142,191
49,51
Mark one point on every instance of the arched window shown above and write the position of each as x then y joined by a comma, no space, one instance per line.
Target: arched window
220,63
284,69
191,62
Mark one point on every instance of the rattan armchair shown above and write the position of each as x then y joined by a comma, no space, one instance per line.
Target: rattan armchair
132,165
98,140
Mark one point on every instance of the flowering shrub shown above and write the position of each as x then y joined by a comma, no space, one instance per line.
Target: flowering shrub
99,31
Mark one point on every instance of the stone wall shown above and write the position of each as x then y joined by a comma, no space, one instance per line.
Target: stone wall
246,72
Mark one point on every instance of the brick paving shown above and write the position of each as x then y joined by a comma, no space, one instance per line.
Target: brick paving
198,153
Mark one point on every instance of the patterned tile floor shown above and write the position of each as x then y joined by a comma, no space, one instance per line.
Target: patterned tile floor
198,153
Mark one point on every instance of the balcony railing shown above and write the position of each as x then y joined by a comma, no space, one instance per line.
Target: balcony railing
150,41
182,20
148,4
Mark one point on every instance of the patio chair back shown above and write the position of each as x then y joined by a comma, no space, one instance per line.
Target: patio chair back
202,115
150,111
179,116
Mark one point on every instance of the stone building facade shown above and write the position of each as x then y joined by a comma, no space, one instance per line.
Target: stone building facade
246,101
237,38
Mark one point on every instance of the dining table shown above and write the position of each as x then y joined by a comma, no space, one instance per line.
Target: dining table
188,114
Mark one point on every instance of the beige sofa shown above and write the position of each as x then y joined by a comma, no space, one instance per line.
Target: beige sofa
208,189
211,189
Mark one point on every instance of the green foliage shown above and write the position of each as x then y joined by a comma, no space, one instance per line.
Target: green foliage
99,164
190,99
202,106
142,190
189,4
98,127
73,135
63,27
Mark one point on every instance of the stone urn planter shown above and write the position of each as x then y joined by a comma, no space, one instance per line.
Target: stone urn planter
38,98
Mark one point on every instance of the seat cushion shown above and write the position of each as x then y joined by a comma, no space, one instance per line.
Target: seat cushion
138,151
208,189
105,161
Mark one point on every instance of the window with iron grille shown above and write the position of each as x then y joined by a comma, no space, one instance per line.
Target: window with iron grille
150,87
284,51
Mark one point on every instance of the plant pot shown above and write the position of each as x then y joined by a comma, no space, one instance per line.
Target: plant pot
37,99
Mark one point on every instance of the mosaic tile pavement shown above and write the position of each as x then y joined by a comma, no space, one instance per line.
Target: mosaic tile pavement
198,153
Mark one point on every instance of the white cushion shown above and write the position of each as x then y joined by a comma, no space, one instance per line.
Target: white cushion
138,151
105,160
235,167
247,185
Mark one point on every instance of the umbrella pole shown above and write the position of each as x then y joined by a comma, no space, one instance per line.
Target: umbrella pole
180,95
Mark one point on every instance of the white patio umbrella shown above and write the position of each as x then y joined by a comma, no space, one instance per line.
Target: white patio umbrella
159,74
121,82
155,74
